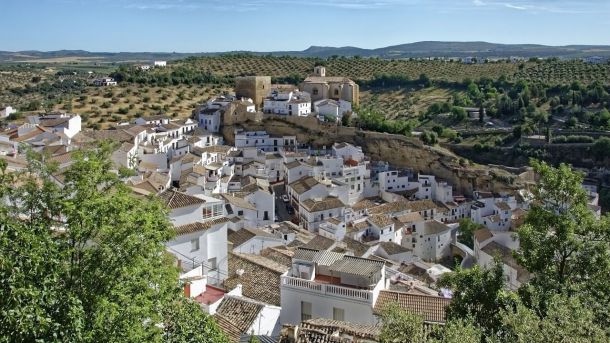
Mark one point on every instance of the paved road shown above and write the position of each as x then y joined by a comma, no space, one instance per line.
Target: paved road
280,207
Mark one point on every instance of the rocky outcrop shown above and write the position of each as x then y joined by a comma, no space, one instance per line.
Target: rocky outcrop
399,151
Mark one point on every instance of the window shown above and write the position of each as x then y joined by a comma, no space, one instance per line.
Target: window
305,310
336,92
212,263
194,244
338,314
315,91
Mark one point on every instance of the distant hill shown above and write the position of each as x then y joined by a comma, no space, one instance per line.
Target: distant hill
410,50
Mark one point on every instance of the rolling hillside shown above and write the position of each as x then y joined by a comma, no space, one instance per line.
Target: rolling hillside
410,50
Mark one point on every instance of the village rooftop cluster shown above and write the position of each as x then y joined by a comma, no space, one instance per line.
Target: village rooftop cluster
277,238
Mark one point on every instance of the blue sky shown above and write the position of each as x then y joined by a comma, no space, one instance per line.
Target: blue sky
266,25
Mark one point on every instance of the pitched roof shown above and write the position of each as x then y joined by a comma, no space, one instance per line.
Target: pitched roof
241,311
304,184
230,330
431,308
238,202
363,204
322,330
325,204
503,206
380,220
434,227
482,235
199,226
357,266
319,243
392,248
411,217
174,199
240,237
292,164
356,247
260,278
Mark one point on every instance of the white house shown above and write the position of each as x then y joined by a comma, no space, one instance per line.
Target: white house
314,211
333,228
248,317
324,284
291,103
65,124
252,241
263,141
7,111
334,108
433,242
161,64
106,81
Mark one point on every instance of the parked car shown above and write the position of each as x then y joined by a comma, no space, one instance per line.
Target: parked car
285,198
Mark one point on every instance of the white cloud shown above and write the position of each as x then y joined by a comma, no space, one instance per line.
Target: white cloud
516,7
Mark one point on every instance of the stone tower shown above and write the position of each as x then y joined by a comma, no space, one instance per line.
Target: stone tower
319,71
253,87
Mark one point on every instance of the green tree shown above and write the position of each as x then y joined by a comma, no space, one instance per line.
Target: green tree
567,320
601,148
400,326
563,245
85,262
466,231
478,294
459,113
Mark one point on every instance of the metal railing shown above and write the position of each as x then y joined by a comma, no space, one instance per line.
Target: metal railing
331,290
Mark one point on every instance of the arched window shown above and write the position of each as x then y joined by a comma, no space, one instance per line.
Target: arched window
336,92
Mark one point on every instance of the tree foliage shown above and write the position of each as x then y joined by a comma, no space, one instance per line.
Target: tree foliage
478,294
86,262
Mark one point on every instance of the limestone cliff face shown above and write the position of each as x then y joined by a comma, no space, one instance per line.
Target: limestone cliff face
398,150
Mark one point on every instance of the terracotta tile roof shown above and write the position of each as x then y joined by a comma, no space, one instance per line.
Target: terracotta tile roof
434,227
356,247
240,311
146,186
260,278
292,164
325,204
322,330
357,266
199,226
214,149
392,248
281,256
363,204
482,235
240,237
319,243
432,308
174,199
412,217
304,184
230,330
390,208
100,135
334,221
380,220
238,202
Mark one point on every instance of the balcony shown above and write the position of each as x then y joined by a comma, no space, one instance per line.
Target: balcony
330,290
